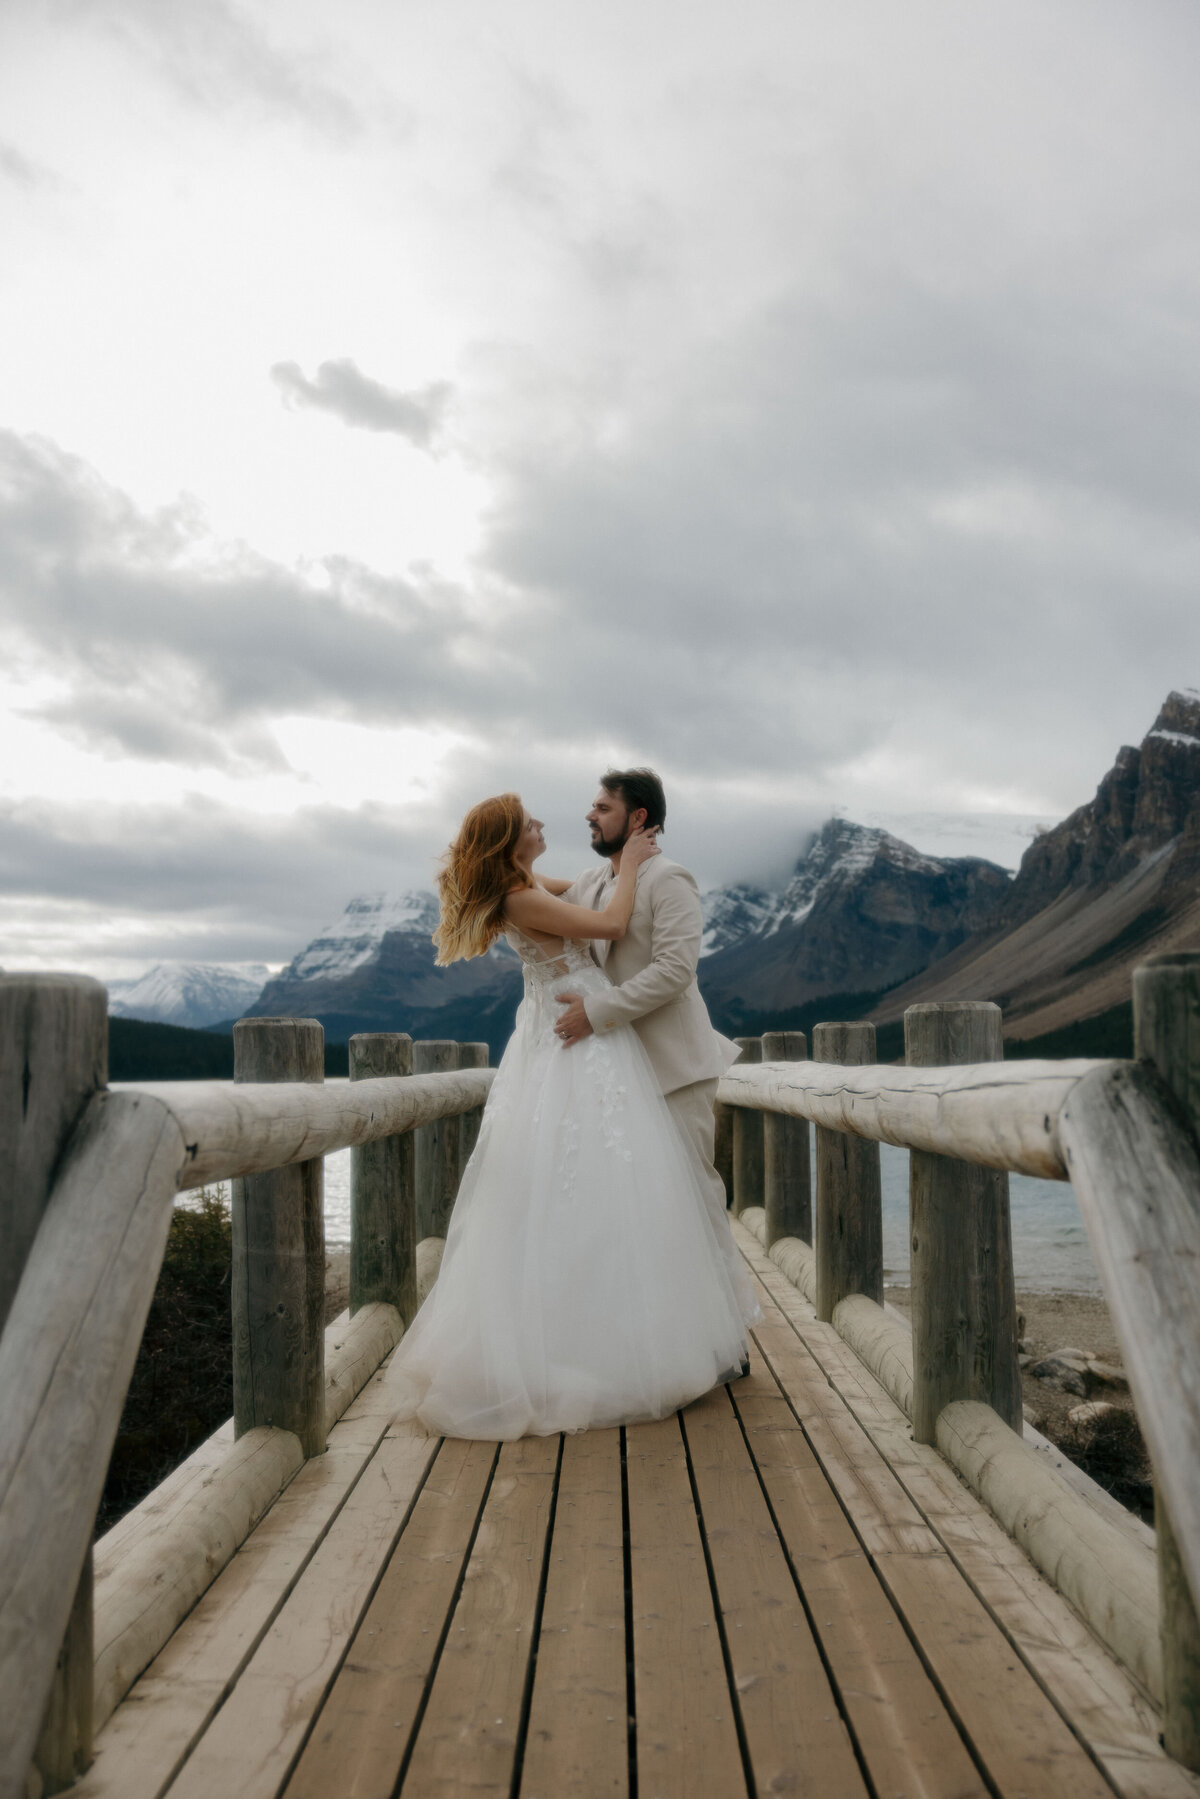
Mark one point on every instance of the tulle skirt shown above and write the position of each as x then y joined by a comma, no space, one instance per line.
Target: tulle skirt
584,1280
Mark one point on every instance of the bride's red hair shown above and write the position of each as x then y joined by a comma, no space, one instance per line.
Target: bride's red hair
479,871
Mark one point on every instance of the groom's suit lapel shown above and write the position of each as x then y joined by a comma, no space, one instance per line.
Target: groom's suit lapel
600,898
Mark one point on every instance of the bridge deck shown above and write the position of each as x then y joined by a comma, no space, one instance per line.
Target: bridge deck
775,1592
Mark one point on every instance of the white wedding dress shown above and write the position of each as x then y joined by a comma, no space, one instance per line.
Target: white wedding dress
584,1281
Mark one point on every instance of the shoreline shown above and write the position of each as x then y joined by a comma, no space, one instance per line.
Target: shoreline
1055,1321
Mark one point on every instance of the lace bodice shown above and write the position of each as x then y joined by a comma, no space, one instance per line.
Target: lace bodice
543,962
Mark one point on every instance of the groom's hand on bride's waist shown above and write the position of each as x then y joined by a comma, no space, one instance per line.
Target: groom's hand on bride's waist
573,1025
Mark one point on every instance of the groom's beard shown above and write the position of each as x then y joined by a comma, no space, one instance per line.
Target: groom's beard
610,846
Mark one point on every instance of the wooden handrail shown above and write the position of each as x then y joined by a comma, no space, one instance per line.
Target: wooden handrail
999,1114
1136,1173
72,1334
67,1350
232,1131
1125,1138
66,1357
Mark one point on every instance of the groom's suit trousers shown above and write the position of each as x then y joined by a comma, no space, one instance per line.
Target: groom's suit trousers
692,1109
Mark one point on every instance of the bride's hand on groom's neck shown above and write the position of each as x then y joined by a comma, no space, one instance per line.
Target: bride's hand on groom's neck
640,845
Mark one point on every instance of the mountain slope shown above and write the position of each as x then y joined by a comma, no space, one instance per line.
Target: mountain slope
373,970
193,994
1115,882
861,912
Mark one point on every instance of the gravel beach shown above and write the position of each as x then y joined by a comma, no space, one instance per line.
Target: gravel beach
1054,1321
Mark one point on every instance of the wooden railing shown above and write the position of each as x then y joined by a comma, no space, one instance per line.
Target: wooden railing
90,1176
88,1180
1125,1135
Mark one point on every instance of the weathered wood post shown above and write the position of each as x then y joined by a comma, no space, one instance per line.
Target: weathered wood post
383,1190
279,1254
470,1055
723,1147
747,1139
787,1174
849,1210
437,1146
1166,1032
964,1306
53,1057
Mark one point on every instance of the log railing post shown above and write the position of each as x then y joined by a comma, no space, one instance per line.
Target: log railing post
849,1208
1166,1032
437,1146
53,1057
964,1307
383,1191
787,1174
747,1140
723,1147
279,1255
470,1055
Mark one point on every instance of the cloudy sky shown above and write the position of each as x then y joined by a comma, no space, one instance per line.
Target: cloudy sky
800,396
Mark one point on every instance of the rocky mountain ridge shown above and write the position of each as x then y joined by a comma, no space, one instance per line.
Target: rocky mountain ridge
861,911
1116,881
373,969
860,908
864,918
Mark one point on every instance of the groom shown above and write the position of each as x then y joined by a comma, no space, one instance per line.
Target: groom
653,968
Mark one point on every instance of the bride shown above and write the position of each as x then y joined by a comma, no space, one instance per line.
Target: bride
584,1281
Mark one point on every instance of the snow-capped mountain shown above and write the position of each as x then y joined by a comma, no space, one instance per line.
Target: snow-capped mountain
866,907
356,936
734,913
919,840
194,994
861,911
835,860
373,969
839,856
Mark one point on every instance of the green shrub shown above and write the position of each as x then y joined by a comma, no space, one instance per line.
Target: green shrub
182,1386
1112,1450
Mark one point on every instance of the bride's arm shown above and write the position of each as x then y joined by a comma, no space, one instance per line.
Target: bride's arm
539,910
551,885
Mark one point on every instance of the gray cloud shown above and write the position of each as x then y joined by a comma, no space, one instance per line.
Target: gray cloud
214,56
902,522
839,438
190,662
20,169
342,389
208,880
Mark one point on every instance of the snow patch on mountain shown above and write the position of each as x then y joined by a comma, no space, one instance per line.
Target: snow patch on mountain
836,858
839,856
355,937
733,913
193,994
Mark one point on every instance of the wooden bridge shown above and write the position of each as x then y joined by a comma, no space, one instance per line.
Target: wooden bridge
852,1572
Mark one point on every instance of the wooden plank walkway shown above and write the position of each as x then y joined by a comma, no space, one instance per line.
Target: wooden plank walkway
776,1592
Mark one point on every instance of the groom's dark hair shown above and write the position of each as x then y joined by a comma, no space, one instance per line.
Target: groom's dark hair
639,788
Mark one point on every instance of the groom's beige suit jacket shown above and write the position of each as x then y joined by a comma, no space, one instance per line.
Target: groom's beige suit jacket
653,970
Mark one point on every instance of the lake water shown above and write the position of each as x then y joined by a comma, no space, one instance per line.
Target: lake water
1050,1246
